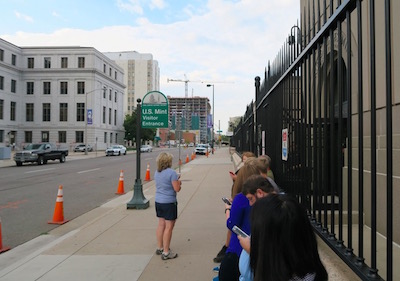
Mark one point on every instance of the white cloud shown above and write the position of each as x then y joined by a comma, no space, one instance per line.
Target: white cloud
132,6
55,14
232,42
157,4
23,17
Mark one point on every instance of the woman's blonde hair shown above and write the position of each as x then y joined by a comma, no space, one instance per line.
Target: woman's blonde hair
251,167
164,161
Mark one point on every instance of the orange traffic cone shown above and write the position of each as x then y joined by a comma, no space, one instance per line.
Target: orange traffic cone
2,249
121,183
192,156
58,217
207,153
187,158
147,173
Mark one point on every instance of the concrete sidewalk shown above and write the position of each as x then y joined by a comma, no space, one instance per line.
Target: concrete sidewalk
113,243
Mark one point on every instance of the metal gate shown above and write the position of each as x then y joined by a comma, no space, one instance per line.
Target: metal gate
331,88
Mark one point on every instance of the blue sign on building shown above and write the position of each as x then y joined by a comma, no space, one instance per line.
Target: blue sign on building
89,117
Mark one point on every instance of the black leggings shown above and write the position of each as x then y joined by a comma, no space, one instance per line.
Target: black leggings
229,269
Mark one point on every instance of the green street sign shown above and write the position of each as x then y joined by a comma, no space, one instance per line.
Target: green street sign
154,110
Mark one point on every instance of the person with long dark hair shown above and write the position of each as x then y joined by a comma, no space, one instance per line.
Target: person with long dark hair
283,244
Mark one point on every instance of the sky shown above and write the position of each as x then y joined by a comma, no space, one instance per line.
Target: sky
219,42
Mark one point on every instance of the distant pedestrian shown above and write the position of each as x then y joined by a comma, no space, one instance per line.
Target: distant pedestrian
167,185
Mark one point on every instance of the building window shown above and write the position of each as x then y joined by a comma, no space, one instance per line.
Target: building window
80,112
105,137
29,112
111,137
47,62
109,116
63,88
115,117
46,112
63,112
46,88
81,88
13,109
116,137
29,88
62,136
31,63
1,109
104,93
110,71
1,135
13,59
28,136
45,136
1,83
104,114
110,94
104,68
115,97
13,86
115,75
2,55
64,62
81,62
79,136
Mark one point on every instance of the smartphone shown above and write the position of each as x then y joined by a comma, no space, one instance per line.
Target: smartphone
240,232
226,200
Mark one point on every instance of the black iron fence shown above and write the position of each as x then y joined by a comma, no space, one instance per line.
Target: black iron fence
323,113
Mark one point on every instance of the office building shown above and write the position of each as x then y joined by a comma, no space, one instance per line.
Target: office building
142,75
46,93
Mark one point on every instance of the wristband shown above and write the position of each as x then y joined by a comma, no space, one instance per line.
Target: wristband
227,209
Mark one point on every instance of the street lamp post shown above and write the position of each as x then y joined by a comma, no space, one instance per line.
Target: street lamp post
212,141
86,117
138,200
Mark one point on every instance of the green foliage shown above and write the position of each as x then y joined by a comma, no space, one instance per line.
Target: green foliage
130,128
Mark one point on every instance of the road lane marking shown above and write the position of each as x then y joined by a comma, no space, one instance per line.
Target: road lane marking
13,205
87,171
43,170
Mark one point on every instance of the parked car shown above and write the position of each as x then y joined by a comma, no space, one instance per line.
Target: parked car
116,150
82,148
146,148
40,153
202,148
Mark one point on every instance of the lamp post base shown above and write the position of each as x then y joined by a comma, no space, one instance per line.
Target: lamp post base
138,200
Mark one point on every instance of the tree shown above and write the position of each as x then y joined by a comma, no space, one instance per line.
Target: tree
130,128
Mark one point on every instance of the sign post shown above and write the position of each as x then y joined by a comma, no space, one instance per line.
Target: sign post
155,110
152,113
138,200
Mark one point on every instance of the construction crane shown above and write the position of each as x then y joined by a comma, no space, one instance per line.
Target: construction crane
186,81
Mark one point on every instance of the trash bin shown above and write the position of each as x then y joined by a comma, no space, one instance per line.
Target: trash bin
5,152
